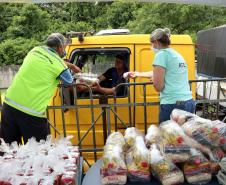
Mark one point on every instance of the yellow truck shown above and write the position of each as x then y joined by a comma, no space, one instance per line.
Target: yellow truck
90,118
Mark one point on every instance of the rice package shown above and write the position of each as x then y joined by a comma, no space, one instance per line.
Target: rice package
137,161
130,136
197,170
220,128
114,170
181,116
152,136
173,143
206,132
164,169
218,155
221,176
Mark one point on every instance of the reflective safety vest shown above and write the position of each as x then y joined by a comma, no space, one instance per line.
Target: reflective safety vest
37,79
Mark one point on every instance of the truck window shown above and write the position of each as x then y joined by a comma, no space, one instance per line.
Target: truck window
98,63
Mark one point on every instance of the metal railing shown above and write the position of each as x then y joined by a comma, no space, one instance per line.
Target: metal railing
131,104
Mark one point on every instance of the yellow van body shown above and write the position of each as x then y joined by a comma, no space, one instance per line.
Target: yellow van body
140,59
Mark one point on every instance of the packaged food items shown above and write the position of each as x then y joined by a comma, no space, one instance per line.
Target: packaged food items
204,149
218,154
116,138
68,178
202,130
152,136
86,78
206,132
26,164
163,169
181,116
173,143
197,169
130,136
221,176
220,127
114,169
223,164
137,161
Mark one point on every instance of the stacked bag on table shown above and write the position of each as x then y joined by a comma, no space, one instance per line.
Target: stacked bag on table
221,176
185,147
125,157
44,162
114,168
137,156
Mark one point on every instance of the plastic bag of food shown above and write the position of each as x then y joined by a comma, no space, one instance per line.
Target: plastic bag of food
181,116
114,169
173,143
206,132
202,130
130,136
116,138
222,164
197,169
86,78
152,136
26,164
163,169
221,176
68,178
220,128
137,161
204,149
218,154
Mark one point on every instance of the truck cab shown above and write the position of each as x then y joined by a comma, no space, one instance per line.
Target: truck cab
88,116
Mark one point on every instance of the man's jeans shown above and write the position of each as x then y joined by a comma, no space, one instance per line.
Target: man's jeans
166,109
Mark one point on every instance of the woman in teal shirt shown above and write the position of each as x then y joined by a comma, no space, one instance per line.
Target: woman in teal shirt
170,76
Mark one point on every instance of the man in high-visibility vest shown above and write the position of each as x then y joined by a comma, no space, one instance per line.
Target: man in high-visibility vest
26,100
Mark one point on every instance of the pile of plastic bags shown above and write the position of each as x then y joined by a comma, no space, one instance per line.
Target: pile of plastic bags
46,162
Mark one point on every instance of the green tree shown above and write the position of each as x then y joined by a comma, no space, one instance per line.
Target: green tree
77,13
180,19
13,51
120,13
31,23
7,12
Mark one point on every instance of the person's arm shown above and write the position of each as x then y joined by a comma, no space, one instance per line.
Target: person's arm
134,74
73,67
66,77
158,78
101,78
160,66
103,90
148,74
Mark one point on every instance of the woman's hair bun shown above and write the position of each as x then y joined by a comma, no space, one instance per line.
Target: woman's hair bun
167,31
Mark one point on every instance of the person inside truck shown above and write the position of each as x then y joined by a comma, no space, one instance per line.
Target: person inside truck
169,76
26,100
113,77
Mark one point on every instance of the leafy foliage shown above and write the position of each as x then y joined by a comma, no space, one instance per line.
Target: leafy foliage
181,19
13,51
24,26
31,23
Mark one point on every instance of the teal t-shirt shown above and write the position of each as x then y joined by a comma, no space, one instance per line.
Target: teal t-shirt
176,76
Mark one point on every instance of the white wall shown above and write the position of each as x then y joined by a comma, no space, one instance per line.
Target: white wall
6,75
